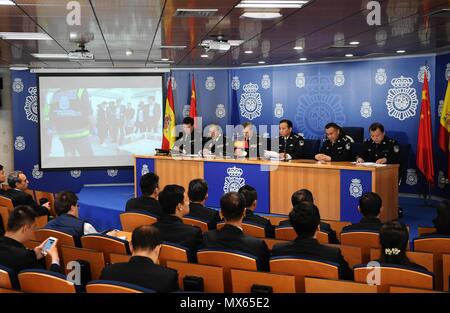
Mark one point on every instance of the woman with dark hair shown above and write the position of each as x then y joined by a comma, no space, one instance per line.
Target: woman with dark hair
442,220
394,240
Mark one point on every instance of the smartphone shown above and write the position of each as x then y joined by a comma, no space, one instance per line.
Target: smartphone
49,244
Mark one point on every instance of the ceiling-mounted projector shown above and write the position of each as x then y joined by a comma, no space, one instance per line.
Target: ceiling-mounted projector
81,54
219,45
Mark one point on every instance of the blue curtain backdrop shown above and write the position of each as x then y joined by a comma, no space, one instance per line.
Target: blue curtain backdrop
350,93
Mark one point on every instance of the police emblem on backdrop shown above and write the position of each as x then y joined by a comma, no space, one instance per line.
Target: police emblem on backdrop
366,109
186,110
447,72
36,173
112,172
380,76
173,82
300,80
411,177
250,103
381,37
144,169
402,100
440,107
441,180
265,81
421,74
234,181
339,78
31,105
355,188
19,143
235,83
17,85
210,83
75,173
278,111
220,111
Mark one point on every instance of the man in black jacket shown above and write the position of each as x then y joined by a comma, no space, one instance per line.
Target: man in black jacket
190,141
370,207
337,146
198,193
20,229
175,205
305,219
19,183
148,202
251,200
142,269
2,180
231,236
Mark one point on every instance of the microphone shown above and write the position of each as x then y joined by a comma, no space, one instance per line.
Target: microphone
285,147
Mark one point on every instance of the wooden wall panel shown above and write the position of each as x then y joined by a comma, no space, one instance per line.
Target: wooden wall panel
179,172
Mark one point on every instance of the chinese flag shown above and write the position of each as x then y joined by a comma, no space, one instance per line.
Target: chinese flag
424,157
169,120
193,104
444,127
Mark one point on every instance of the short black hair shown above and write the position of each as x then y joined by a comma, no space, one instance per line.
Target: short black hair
64,201
249,193
374,126
442,220
149,182
300,196
198,189
170,197
14,178
288,122
245,124
305,218
188,120
146,237
232,206
21,215
1,167
370,204
334,125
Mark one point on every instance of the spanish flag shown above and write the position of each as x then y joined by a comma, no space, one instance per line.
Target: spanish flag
193,104
169,120
444,127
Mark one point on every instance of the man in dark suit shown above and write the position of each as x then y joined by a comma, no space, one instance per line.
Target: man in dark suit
249,144
337,146
20,229
251,200
142,269
2,180
306,195
305,219
190,141
175,205
216,143
198,193
148,202
231,236
370,207
19,183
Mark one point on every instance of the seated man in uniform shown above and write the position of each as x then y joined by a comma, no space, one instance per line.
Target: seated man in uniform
249,144
379,148
217,143
337,147
190,141
290,145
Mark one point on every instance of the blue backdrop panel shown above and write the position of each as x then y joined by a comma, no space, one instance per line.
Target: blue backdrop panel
143,166
353,185
224,177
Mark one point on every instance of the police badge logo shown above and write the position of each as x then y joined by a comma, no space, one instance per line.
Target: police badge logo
17,85
31,105
36,173
366,109
447,72
396,149
402,100
300,80
356,188
112,172
235,83
75,173
19,143
210,83
411,177
144,169
173,82
442,181
265,81
380,76
339,78
440,107
381,37
186,110
250,103
220,111
278,111
234,181
421,74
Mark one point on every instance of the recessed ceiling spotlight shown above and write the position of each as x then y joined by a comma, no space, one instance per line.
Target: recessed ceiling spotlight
248,51
303,59
349,55
401,51
204,56
261,62
294,4
164,59
129,52
298,48
73,35
354,43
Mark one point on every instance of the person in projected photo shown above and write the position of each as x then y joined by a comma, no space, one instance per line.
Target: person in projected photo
129,119
102,122
70,117
140,119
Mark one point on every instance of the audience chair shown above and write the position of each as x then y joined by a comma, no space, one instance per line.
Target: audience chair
422,230
353,255
396,289
446,270
95,259
119,258
196,222
422,258
63,238
319,285
363,239
109,286
172,251
48,195
6,206
106,244
285,233
8,278
243,281
254,230
131,220
276,219
43,281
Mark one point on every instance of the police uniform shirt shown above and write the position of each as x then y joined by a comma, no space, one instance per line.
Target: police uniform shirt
388,148
292,145
341,150
217,146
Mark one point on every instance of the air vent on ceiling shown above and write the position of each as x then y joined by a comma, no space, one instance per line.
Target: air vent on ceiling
440,13
195,12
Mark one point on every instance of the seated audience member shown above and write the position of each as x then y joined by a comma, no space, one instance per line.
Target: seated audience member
67,221
370,207
442,220
198,193
142,269
175,205
231,236
394,240
305,219
2,180
148,202
306,195
20,229
251,200
19,183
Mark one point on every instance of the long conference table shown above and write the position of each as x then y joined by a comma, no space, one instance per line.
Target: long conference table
336,186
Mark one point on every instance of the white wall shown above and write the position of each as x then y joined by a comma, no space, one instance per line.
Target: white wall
6,129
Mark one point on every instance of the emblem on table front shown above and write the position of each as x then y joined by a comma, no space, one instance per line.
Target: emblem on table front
112,172
145,169
356,188
75,173
234,181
